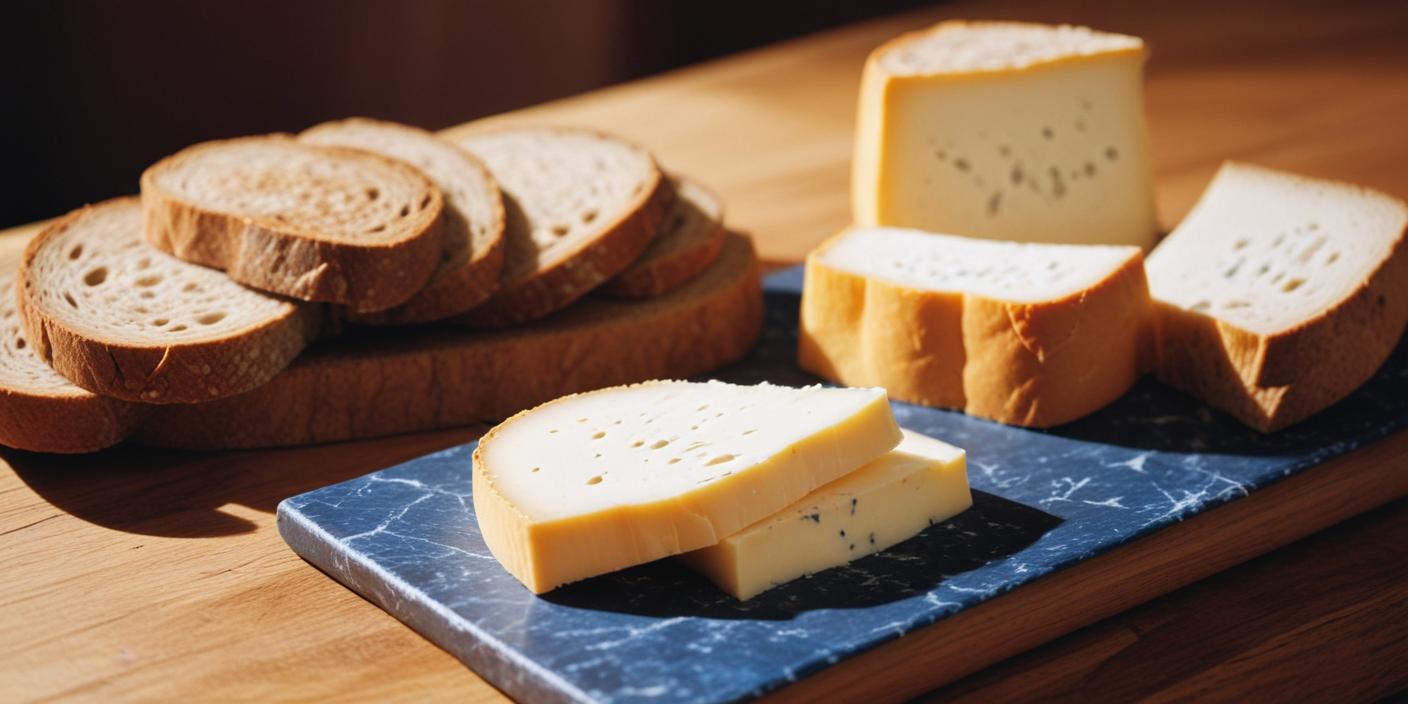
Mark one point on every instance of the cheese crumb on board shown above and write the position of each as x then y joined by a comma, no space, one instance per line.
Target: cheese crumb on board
1006,130
921,482
601,481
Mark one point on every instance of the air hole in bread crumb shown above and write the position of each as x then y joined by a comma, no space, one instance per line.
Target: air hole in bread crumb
1241,244
638,443
20,343
378,228
405,210
598,435
76,252
69,297
160,322
177,328
192,287
659,444
589,217
719,460
147,295
96,277
560,230
1201,305
373,193
1334,257
143,263
425,202
535,470
210,318
750,431
149,281
594,480
1236,304
1292,285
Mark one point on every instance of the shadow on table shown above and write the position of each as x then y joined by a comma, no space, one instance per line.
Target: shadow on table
994,528
182,494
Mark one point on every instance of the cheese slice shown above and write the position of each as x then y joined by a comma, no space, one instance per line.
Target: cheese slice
919,483
1005,130
600,481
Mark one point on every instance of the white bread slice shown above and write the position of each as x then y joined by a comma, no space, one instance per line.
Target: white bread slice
41,411
119,318
432,378
1027,334
593,483
581,207
1278,294
473,253
690,239
315,223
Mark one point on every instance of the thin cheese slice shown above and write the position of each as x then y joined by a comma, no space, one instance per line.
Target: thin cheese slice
919,483
596,482
1009,131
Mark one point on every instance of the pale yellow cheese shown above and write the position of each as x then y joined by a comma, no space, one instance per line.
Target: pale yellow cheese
919,483
596,482
1003,130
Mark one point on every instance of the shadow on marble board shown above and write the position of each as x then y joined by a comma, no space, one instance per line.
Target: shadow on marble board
914,567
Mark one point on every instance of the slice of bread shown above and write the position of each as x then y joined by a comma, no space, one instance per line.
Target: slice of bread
1278,295
581,207
315,223
473,253
690,239
1027,334
41,411
431,378
119,318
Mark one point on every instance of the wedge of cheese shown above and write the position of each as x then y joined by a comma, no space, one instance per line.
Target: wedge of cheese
1027,334
919,483
596,482
1005,130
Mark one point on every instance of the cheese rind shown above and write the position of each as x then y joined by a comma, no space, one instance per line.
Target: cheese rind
919,483
596,482
1006,131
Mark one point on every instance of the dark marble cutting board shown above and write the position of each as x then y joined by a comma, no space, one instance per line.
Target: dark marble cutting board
406,539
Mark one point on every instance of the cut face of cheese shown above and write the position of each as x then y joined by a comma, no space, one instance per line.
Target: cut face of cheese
596,482
919,483
1006,131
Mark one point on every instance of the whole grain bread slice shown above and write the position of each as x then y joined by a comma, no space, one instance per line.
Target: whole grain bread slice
473,255
432,378
119,318
315,223
41,411
581,207
690,239
1279,294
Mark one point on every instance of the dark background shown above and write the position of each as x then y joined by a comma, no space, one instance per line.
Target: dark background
93,92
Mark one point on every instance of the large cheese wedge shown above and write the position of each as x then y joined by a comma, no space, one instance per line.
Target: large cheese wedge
919,483
1028,334
593,483
1279,294
1010,131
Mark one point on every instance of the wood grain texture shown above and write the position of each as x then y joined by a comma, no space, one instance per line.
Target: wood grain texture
160,575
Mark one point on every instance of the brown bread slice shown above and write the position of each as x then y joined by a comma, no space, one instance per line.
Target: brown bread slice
689,241
315,223
121,319
426,379
41,411
581,207
1279,294
473,254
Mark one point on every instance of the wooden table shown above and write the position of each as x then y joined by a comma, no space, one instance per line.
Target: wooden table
136,574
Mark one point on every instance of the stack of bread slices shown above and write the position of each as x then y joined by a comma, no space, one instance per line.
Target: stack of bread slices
365,278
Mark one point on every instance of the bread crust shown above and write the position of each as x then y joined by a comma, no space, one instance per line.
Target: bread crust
1030,364
65,424
432,379
662,274
151,373
454,292
1270,382
271,256
584,268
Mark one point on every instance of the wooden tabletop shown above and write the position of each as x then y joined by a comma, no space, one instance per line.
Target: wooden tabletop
136,574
